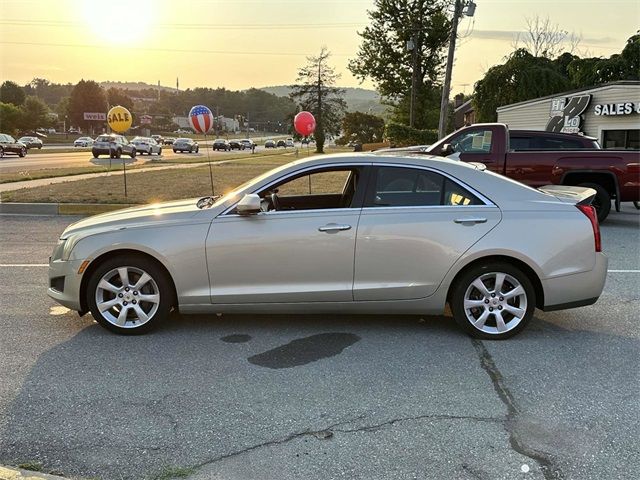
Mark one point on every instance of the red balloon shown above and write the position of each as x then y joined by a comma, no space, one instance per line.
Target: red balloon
304,123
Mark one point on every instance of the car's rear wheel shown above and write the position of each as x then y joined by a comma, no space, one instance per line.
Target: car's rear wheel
133,153
118,153
197,149
22,152
160,151
1,152
493,301
601,202
129,295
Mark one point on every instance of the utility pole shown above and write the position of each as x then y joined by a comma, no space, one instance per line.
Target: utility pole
444,103
413,46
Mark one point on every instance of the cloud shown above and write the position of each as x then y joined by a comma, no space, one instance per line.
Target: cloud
509,35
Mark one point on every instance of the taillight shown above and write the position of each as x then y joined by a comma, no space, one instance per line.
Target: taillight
591,214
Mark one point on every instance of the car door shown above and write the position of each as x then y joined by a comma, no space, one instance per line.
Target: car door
415,224
302,252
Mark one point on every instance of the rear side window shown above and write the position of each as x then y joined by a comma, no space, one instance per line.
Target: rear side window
412,187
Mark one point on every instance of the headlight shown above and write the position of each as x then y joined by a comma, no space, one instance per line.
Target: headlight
62,250
57,251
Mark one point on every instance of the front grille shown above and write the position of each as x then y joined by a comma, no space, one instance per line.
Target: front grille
57,283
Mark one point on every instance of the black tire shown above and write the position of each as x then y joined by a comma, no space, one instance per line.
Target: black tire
118,153
197,149
601,202
160,151
148,266
175,151
464,283
133,153
22,152
635,203
191,150
1,152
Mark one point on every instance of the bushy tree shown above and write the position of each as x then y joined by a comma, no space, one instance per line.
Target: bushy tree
11,92
316,92
35,114
362,127
384,58
117,96
86,96
10,118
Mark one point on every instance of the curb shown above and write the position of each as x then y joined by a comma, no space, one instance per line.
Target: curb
61,209
12,473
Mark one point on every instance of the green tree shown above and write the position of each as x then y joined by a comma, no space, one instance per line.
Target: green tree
35,114
520,78
117,96
10,118
383,55
11,92
362,127
315,91
86,96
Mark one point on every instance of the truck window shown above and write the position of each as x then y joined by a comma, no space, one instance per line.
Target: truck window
474,141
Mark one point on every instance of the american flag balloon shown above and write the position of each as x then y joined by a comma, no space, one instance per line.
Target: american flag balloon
201,118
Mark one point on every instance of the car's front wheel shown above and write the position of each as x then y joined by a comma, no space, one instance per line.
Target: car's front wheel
22,152
129,295
493,301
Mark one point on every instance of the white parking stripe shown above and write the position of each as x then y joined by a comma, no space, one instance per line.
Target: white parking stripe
623,271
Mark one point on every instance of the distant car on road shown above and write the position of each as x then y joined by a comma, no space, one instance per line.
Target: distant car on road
83,142
185,145
289,142
270,144
281,143
168,140
221,144
248,143
113,145
158,138
236,145
8,144
180,130
146,145
31,142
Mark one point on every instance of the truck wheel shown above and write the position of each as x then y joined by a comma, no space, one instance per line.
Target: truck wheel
637,205
601,202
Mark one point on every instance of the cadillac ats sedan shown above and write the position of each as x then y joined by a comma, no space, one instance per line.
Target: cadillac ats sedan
352,233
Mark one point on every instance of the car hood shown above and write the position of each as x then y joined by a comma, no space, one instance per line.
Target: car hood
154,214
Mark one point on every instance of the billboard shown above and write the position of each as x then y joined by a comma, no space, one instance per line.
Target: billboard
97,116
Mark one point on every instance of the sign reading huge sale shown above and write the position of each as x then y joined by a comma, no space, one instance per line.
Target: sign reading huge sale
119,119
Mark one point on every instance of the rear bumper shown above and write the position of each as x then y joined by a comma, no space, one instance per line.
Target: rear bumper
577,290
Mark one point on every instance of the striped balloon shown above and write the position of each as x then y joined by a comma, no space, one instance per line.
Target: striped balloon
201,118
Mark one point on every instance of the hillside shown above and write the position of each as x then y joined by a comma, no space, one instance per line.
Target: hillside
358,99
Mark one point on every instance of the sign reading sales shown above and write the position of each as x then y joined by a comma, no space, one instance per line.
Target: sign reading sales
101,117
625,108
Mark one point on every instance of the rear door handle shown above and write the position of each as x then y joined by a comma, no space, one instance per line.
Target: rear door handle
470,220
333,228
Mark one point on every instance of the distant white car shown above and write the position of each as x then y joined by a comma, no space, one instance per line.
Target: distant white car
146,145
248,143
289,142
83,142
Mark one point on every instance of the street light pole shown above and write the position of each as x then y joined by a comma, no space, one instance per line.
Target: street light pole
444,103
412,45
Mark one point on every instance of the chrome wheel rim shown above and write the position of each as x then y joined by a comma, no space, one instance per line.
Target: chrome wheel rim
495,303
127,297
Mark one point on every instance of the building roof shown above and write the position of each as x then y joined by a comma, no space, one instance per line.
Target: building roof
570,92
466,106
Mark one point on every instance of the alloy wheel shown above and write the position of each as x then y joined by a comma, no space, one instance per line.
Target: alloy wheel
495,303
127,297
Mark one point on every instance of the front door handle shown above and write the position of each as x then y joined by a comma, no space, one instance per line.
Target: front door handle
470,220
333,228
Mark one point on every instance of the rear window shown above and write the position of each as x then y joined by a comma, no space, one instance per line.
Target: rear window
535,142
105,138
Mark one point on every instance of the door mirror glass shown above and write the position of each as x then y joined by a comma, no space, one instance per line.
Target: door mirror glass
249,204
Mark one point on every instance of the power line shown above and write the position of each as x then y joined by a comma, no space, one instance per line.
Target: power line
173,50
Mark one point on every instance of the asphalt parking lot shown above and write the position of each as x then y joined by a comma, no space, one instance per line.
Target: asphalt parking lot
318,397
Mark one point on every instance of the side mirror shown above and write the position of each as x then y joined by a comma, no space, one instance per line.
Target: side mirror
447,150
249,204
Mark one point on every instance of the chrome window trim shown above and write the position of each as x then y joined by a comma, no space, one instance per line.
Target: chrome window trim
488,202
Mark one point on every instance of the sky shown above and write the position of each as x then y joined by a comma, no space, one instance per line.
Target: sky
239,44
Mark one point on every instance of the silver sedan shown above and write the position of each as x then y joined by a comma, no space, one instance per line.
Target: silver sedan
353,233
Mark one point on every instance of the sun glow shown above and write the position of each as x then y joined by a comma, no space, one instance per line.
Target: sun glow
118,22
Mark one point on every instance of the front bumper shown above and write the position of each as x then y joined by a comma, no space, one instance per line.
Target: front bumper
64,274
578,289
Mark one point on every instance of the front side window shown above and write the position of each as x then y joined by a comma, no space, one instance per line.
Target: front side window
319,189
474,141
412,187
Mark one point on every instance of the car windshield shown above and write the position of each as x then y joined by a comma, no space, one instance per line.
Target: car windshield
230,195
182,140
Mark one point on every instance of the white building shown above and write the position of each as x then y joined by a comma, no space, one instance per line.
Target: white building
610,113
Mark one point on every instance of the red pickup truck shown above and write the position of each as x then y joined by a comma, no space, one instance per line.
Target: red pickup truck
613,174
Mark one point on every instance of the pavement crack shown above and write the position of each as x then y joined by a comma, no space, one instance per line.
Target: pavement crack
378,426
545,461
